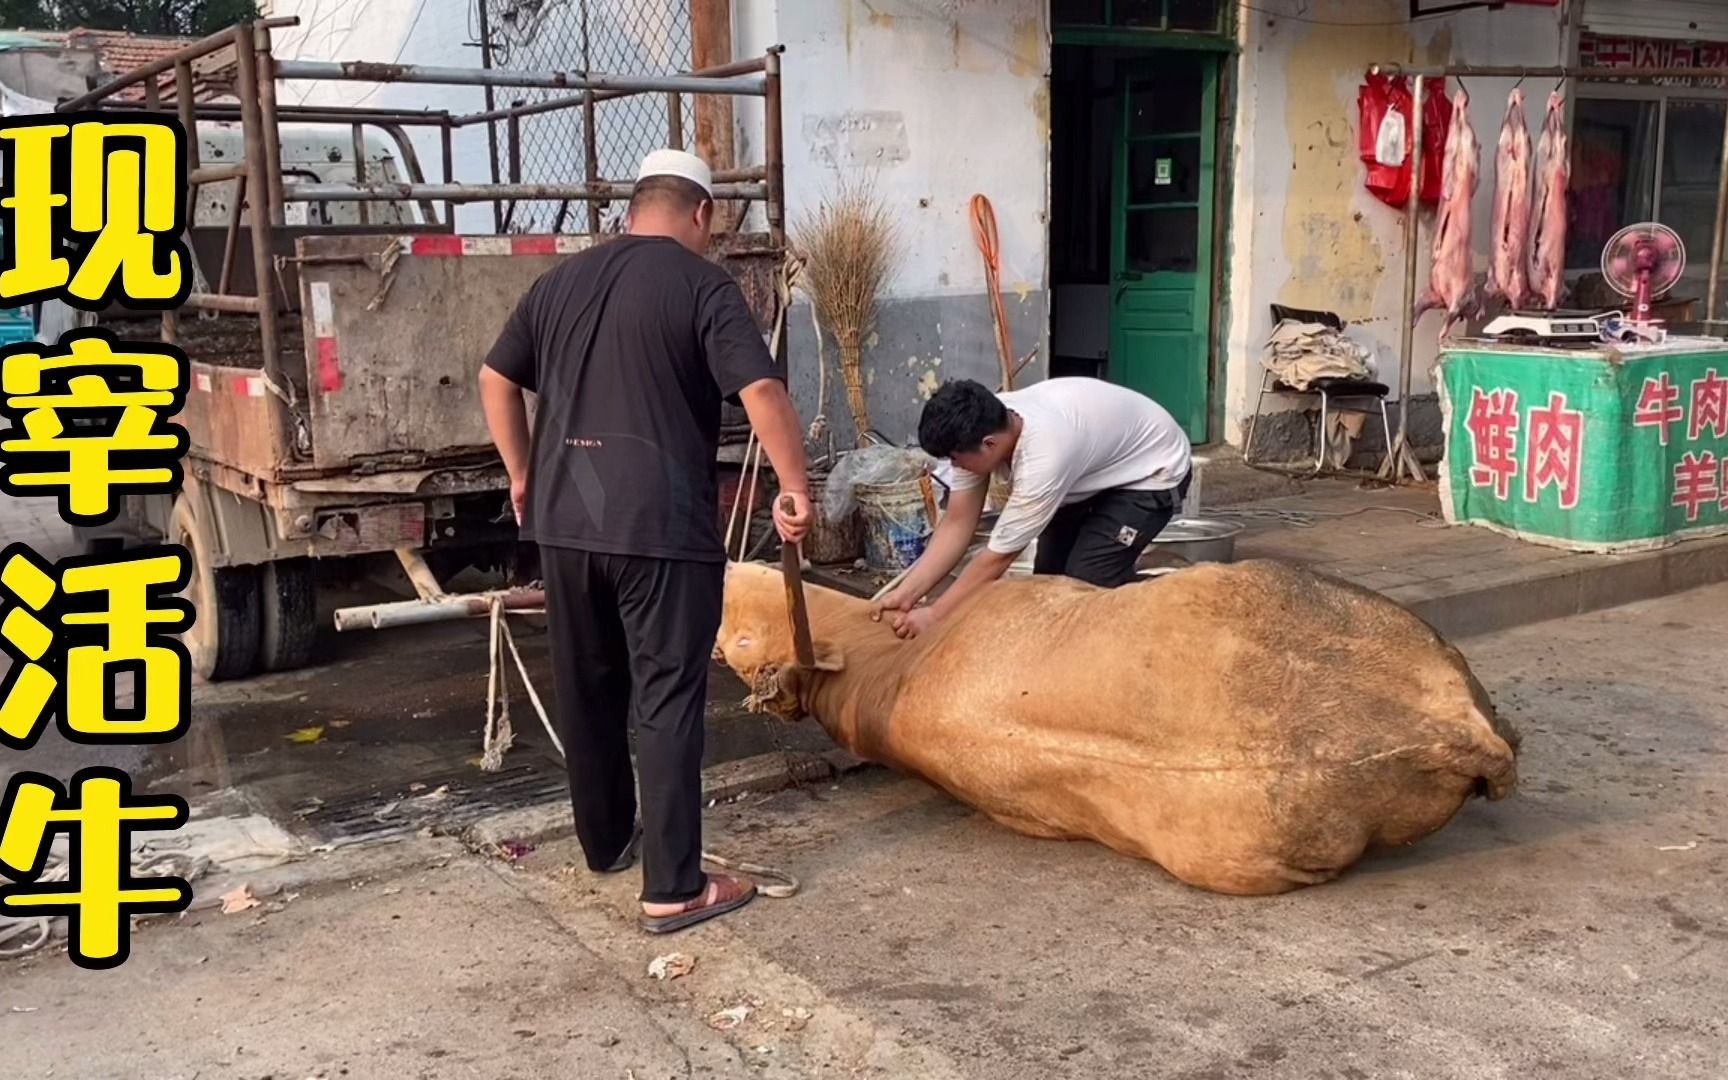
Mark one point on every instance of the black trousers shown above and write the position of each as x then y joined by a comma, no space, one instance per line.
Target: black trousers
631,642
1099,540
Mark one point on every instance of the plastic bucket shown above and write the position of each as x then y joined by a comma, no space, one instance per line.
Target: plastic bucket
831,541
897,524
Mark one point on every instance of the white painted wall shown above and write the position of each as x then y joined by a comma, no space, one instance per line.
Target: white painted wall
935,107
428,32
1305,231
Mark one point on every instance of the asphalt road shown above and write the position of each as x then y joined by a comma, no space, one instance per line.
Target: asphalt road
1576,930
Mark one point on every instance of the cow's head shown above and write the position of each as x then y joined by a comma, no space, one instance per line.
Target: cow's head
755,640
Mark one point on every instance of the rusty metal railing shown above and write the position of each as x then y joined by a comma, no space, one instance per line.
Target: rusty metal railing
262,190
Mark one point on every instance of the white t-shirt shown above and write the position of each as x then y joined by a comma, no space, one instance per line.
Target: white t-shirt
1080,437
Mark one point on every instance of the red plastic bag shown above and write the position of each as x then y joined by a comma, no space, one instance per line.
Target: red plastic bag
1383,106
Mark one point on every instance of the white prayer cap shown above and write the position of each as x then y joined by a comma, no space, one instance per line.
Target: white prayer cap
680,164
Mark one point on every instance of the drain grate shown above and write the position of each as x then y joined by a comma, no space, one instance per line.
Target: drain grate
442,803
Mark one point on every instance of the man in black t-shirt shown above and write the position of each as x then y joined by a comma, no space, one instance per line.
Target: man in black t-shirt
630,348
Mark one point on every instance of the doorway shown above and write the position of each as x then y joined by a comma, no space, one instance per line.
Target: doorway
1133,153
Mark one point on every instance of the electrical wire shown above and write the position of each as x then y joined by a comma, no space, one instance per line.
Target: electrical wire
407,36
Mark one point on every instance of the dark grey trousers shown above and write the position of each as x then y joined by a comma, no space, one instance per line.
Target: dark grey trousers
1099,540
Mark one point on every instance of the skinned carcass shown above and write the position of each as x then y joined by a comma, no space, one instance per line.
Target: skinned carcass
1451,279
1506,246
1252,728
1548,244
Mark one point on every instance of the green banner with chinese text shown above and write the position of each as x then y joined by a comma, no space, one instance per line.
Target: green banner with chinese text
1604,450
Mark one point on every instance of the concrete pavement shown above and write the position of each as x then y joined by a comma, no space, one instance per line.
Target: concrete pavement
1578,930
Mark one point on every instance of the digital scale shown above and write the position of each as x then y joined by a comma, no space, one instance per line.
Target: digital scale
1546,327
1638,262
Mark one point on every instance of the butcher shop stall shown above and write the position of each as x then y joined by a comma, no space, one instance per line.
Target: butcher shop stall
1589,410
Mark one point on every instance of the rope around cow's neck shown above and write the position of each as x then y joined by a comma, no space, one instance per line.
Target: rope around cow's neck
771,882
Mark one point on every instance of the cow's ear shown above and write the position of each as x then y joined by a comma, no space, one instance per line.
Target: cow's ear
829,657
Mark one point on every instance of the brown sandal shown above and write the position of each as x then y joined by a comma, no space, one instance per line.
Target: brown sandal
723,893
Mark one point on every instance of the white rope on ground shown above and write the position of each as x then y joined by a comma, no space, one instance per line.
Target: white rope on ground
783,885
21,935
1307,519
499,735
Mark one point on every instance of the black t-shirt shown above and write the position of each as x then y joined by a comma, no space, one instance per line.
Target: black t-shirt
631,347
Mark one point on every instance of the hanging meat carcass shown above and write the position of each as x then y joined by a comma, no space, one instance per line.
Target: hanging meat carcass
1548,241
1451,281
1506,252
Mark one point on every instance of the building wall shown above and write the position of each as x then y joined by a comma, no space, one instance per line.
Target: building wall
1304,230
433,32
931,107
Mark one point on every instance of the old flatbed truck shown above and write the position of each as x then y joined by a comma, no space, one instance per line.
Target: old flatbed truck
333,412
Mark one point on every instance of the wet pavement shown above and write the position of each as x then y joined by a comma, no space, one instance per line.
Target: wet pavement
380,736
385,736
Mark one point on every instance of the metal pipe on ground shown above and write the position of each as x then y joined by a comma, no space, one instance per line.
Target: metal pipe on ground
364,71
448,609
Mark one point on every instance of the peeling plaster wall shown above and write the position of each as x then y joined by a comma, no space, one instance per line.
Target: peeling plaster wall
933,107
1305,232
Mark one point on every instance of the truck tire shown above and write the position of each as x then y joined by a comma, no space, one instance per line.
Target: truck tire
288,614
223,639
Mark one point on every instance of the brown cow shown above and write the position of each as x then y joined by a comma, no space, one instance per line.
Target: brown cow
1251,728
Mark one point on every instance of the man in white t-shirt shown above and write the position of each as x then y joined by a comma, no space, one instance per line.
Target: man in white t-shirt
1097,470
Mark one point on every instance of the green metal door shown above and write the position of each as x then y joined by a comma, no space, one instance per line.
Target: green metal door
1161,236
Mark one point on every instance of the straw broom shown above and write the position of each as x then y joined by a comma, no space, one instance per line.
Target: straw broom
847,243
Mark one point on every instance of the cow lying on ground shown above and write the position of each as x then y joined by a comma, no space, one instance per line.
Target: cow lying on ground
1251,728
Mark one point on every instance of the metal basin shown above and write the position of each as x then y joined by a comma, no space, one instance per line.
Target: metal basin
1193,540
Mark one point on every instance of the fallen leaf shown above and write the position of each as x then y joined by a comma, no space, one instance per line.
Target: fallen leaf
727,1019
671,966
307,734
238,899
